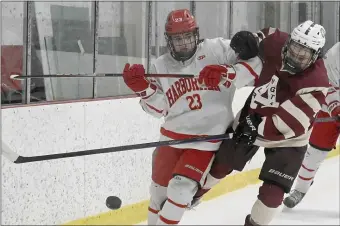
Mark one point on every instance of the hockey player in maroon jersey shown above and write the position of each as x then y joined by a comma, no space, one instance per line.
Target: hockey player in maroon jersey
278,114
324,135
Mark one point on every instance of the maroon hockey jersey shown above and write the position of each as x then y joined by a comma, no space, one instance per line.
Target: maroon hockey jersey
287,103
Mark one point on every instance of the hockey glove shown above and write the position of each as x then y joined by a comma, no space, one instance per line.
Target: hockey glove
134,78
246,131
215,75
245,44
334,110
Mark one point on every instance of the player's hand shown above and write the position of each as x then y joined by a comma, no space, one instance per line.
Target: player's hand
212,75
246,131
334,110
134,77
245,44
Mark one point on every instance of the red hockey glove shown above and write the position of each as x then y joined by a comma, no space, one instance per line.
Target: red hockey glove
134,77
334,110
212,75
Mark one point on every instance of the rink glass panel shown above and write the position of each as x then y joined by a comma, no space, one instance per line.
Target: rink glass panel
62,37
86,37
122,38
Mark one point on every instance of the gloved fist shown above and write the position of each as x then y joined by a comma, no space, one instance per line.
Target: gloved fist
134,77
334,110
212,75
245,44
246,131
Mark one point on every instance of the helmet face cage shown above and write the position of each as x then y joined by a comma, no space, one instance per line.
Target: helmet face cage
297,57
182,46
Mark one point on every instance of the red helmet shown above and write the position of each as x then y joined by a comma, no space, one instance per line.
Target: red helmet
179,22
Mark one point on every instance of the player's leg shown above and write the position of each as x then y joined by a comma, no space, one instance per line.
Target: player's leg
229,157
189,174
322,140
218,171
278,173
164,160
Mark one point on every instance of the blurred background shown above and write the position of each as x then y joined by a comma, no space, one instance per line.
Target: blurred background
87,37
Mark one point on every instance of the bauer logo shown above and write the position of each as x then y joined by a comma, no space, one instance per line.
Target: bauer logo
194,168
278,173
250,123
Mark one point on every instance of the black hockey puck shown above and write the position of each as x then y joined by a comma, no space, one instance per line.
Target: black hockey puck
113,202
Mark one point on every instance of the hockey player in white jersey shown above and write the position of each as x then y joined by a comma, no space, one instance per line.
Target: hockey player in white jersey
324,135
183,173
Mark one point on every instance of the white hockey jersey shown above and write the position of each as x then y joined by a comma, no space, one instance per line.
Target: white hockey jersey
188,109
332,64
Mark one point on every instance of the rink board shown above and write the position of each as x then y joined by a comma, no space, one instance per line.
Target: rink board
64,190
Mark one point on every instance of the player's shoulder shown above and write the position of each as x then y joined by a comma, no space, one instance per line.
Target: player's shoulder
271,32
214,42
317,73
271,46
334,51
313,78
336,47
166,58
161,63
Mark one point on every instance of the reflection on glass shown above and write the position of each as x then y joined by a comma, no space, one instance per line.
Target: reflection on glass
12,50
219,19
272,14
246,16
285,17
61,39
122,37
330,20
62,43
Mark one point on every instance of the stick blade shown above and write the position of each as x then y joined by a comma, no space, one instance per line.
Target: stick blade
15,77
9,154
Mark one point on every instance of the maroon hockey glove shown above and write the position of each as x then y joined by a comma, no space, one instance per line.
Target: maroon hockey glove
134,77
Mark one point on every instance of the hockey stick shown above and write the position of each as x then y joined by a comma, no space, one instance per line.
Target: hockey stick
329,119
15,158
98,75
114,202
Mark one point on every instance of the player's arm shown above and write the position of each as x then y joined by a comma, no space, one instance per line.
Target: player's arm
149,90
243,73
332,63
246,44
239,63
293,117
221,49
333,102
265,32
